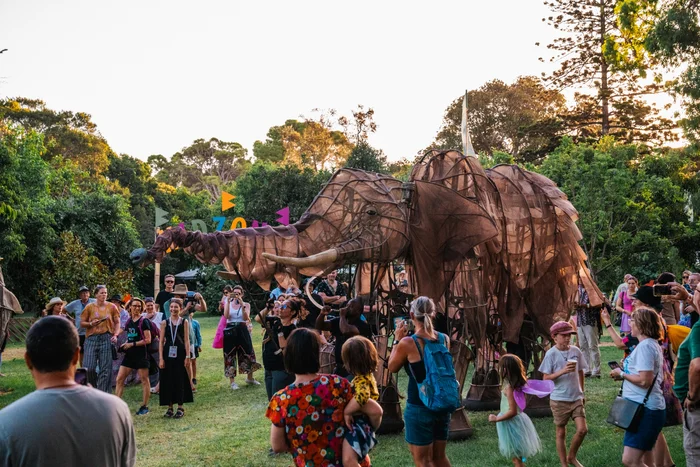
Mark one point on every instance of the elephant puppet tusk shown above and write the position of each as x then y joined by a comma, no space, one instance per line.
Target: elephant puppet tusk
308,292
325,257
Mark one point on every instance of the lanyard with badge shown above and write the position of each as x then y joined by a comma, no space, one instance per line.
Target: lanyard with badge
172,350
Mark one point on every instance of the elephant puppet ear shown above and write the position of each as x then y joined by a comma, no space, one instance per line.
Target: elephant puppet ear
445,227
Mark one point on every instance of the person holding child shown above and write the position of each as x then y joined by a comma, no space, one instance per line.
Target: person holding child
307,415
565,366
363,414
517,437
174,348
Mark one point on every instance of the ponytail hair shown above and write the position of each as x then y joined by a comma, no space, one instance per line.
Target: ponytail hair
423,309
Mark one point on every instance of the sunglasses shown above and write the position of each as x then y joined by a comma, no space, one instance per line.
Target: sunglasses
686,277
284,307
169,282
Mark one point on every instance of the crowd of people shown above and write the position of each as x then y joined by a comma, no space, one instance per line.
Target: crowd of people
331,419
661,356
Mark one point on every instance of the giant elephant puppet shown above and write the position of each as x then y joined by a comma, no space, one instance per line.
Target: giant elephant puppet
480,242
8,305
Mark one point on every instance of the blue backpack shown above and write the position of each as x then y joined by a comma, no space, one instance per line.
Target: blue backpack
439,391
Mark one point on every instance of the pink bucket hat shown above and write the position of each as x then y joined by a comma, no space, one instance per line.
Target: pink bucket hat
561,327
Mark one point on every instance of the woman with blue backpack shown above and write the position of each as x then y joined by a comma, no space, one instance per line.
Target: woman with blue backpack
433,391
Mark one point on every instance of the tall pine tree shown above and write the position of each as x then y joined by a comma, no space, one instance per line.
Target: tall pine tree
594,53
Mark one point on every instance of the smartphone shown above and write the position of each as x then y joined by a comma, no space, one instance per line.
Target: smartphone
660,290
410,327
613,365
81,376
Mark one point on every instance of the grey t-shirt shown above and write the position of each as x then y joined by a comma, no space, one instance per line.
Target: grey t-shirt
566,387
74,426
646,356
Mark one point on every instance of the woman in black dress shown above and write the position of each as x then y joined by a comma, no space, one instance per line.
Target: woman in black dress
174,345
135,349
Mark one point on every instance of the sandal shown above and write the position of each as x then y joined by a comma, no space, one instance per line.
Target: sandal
169,413
180,413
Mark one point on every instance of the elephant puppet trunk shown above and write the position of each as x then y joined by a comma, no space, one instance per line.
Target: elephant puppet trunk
239,250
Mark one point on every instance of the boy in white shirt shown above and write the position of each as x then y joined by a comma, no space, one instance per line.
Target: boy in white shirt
564,364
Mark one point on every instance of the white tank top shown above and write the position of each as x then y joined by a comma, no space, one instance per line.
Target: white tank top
235,315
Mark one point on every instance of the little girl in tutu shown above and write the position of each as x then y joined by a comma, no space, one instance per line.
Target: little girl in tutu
517,437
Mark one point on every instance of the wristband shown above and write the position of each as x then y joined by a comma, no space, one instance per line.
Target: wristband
608,326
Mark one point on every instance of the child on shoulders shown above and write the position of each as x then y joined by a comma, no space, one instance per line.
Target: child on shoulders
363,414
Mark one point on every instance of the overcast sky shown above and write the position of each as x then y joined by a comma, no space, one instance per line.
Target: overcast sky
156,75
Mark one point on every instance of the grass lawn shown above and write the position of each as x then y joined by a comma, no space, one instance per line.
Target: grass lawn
224,427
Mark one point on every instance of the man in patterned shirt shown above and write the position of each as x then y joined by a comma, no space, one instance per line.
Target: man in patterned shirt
333,292
588,332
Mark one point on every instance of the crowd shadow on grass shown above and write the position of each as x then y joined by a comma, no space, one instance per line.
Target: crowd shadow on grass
228,428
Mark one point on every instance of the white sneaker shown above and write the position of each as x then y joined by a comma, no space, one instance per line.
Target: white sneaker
252,382
234,386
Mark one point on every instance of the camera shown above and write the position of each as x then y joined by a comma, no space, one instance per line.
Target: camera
662,289
190,298
410,327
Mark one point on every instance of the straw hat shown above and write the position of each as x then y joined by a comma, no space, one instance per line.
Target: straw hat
52,302
180,289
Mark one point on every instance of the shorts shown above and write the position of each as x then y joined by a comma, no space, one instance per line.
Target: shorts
563,411
423,426
192,351
136,360
196,353
82,343
648,430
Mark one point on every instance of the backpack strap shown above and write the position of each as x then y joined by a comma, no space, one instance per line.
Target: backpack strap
141,332
420,349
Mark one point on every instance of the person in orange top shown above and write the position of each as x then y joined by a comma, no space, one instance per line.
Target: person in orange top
101,321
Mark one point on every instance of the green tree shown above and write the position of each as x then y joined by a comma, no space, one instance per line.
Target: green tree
272,150
207,166
520,118
103,223
632,206
72,135
358,128
594,52
135,176
74,266
671,33
265,189
400,169
316,146
365,157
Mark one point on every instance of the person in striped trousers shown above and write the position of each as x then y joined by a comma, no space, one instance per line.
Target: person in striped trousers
101,322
